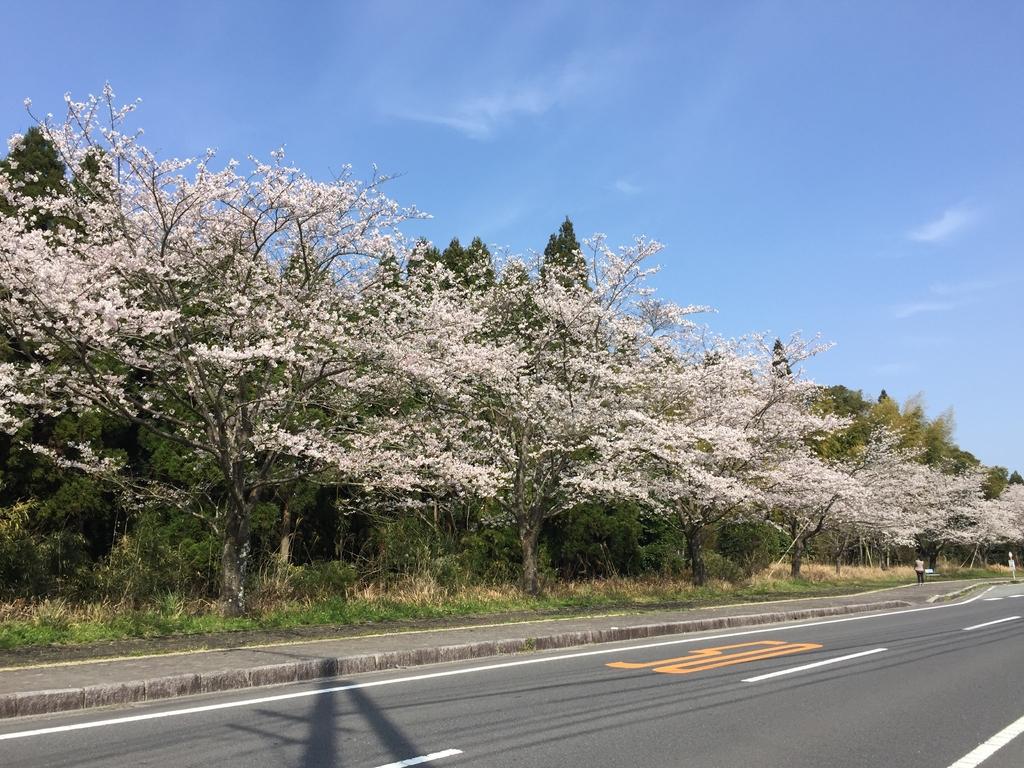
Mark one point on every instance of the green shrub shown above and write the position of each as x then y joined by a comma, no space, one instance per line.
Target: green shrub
595,541
752,545
399,546
324,580
161,554
662,547
719,567
24,559
491,555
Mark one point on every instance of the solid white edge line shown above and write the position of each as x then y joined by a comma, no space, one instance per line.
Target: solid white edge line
791,670
991,623
423,758
988,748
465,671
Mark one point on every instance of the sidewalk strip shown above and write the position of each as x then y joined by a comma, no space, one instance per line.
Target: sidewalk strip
423,758
801,668
990,747
991,623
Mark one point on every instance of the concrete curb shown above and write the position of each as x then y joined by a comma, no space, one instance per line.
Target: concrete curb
964,591
156,689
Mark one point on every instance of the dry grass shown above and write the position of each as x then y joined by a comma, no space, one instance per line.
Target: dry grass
817,573
24,622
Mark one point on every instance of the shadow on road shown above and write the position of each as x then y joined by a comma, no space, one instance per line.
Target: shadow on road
328,726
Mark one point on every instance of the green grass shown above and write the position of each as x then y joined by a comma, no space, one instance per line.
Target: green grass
57,622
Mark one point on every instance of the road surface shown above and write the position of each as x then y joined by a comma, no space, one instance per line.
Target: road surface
921,688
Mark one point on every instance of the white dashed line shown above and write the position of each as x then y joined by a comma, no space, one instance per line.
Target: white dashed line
801,668
990,623
423,758
984,751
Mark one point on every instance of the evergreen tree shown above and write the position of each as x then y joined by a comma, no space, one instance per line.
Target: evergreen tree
479,264
1016,479
454,258
69,513
36,171
995,482
563,255
780,363
883,396
470,266
422,253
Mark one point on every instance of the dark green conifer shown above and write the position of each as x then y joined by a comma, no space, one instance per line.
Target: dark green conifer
563,256
36,170
780,363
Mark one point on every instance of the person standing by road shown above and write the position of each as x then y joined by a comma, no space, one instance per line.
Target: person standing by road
919,570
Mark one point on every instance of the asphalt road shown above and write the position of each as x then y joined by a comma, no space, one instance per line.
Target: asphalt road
918,689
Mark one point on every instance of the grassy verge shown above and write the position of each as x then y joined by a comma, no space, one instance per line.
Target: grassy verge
24,624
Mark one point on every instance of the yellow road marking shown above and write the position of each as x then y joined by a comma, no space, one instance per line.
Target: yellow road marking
704,659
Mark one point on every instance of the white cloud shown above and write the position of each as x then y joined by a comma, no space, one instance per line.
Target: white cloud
627,187
943,297
953,220
481,116
921,307
965,287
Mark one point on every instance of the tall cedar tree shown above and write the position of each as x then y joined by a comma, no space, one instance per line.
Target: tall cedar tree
37,171
471,267
780,363
563,253
68,506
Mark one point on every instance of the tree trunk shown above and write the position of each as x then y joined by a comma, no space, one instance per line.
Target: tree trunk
797,559
529,534
285,534
695,551
234,559
933,556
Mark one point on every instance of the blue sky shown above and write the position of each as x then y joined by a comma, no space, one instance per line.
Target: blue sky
849,168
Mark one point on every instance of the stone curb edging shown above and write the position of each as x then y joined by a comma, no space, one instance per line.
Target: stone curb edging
155,689
963,591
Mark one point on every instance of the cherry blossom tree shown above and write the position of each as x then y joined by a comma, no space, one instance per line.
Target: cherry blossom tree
533,383
947,510
224,310
712,416
1004,516
804,495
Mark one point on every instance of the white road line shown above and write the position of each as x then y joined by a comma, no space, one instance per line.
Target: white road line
992,599
464,671
990,623
423,758
801,668
1015,595
984,751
